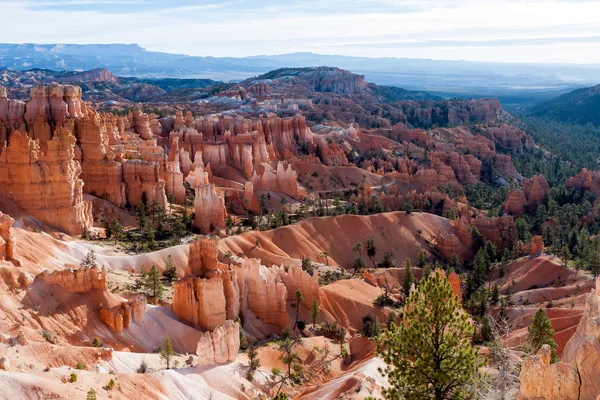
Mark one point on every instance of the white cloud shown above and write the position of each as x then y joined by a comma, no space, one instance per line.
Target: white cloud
454,29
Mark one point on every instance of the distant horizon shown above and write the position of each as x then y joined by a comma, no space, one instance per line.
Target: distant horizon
596,63
497,31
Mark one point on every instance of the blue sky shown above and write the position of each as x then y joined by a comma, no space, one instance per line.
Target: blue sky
497,31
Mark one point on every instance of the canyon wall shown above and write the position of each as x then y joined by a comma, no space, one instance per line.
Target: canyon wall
46,185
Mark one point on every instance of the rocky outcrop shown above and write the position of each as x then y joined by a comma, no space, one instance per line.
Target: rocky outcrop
208,295
295,278
585,180
7,239
575,377
220,346
282,180
456,112
535,191
448,244
46,185
143,181
263,294
209,206
81,280
120,317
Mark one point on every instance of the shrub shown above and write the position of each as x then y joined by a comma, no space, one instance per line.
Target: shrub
301,325
143,368
96,342
110,384
73,377
80,366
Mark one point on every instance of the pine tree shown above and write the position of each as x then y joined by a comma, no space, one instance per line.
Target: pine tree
427,270
170,273
90,259
490,250
358,264
371,250
430,355
153,283
116,229
314,313
299,300
421,259
141,213
358,246
539,333
408,278
454,263
166,351
253,362
148,234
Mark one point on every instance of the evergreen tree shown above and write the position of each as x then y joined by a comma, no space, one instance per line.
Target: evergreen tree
358,264
490,250
430,355
426,271
523,230
299,300
116,229
166,352
153,283
421,259
148,234
408,278
371,250
476,238
314,313
539,333
358,246
454,262
253,362
141,213
170,273
90,259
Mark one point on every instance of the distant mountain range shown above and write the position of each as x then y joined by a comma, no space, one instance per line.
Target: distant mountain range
581,106
509,82
101,86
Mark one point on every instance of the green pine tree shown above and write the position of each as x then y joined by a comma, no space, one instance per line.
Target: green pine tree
314,313
170,273
430,355
539,333
153,283
166,351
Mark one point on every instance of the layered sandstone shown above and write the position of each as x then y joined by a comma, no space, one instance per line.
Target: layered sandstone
7,239
535,191
220,346
81,280
575,377
120,317
585,180
295,278
46,185
282,180
263,294
208,295
209,206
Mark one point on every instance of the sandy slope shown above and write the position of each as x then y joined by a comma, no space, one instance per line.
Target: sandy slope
395,232
531,283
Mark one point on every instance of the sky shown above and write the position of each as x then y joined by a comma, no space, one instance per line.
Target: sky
496,31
